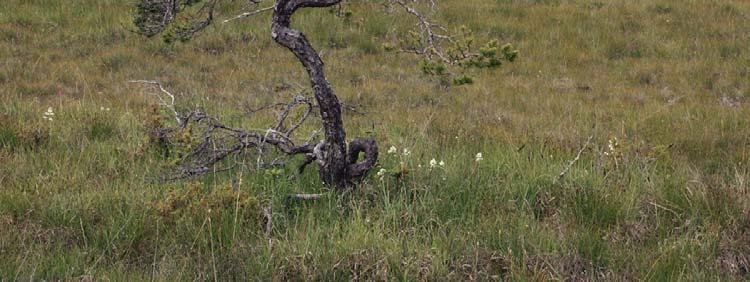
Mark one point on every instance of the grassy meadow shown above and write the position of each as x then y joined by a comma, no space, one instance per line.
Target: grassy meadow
662,191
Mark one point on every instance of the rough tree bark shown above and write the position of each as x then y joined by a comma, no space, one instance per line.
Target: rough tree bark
336,167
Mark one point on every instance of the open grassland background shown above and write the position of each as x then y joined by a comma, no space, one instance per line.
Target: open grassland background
667,82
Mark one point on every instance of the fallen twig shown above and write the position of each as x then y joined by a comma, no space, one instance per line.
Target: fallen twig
306,197
293,199
573,161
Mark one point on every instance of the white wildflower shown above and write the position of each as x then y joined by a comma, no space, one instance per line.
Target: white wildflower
612,147
392,150
478,157
442,163
381,173
49,114
433,163
406,152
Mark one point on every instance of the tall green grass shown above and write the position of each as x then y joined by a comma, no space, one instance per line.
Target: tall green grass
668,80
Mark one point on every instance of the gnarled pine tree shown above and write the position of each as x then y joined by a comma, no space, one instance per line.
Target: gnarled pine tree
338,162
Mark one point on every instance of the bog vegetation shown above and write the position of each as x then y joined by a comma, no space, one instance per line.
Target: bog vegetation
467,185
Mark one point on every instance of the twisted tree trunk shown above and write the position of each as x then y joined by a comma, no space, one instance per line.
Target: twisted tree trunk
337,168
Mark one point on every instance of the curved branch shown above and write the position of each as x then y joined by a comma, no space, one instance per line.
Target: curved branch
362,145
333,165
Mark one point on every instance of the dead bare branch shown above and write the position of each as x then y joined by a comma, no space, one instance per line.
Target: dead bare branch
573,161
201,143
169,105
249,14
306,197
432,38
